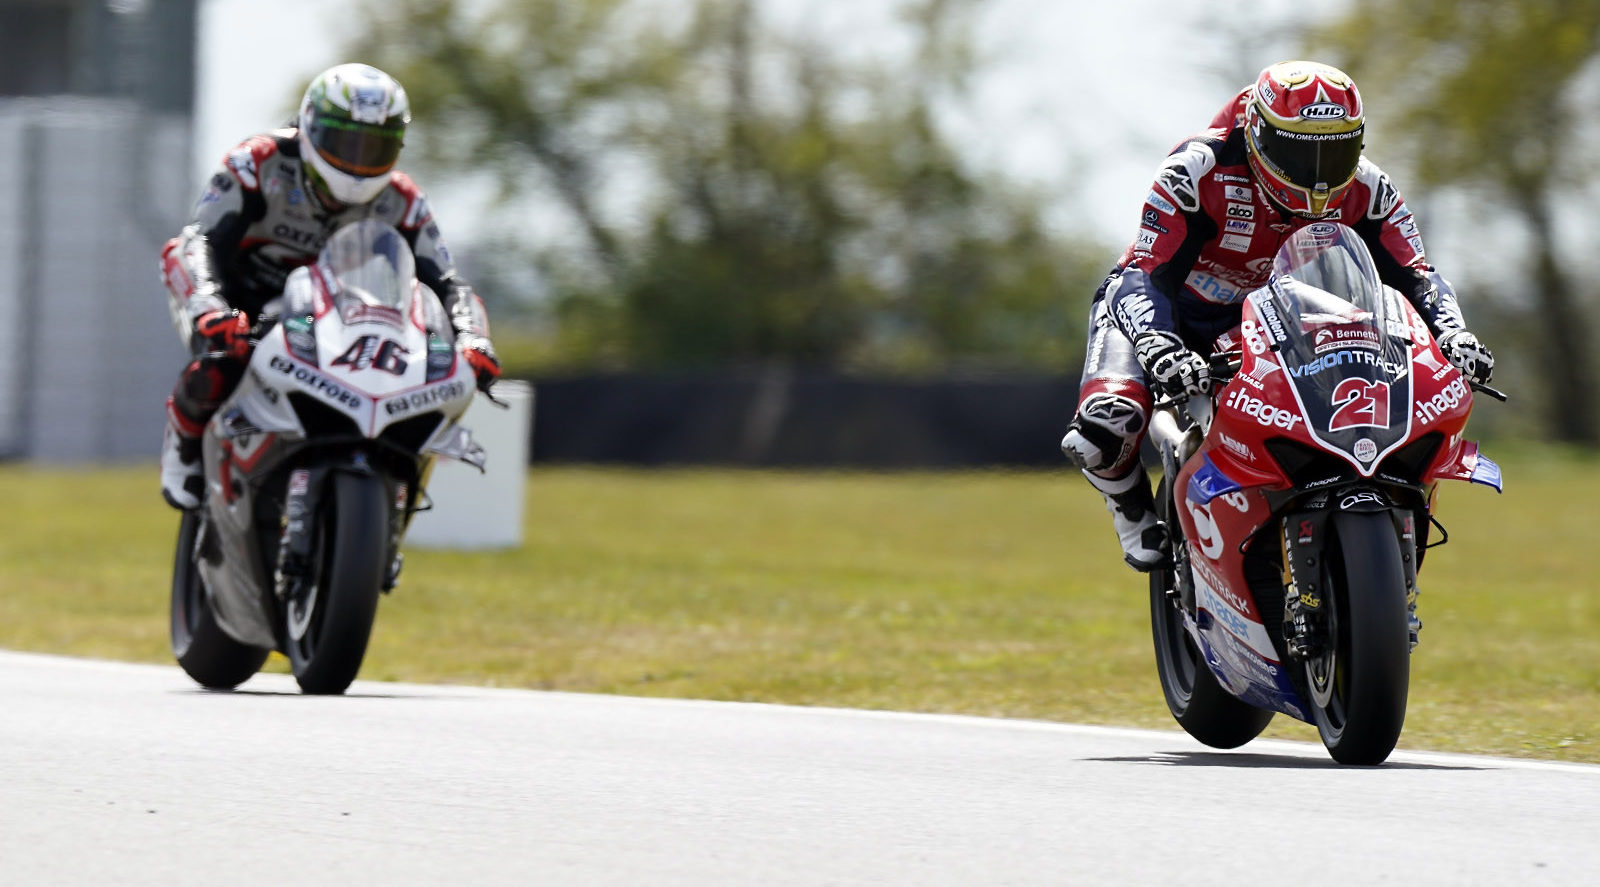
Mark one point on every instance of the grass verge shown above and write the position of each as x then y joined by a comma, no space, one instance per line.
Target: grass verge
983,593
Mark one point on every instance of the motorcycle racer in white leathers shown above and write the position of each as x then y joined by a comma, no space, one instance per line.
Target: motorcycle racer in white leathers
267,211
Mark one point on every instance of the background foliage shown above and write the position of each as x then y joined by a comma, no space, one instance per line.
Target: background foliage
739,194
704,187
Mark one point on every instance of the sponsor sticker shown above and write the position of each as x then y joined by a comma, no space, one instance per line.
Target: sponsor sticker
1238,226
1241,211
1322,111
1265,414
1448,398
1161,203
1212,288
1333,338
1239,243
1366,451
1238,192
1145,240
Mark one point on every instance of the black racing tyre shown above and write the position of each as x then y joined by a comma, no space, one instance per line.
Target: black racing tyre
1202,707
205,652
1359,683
327,628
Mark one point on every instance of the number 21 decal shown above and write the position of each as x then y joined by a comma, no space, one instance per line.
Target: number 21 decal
1360,404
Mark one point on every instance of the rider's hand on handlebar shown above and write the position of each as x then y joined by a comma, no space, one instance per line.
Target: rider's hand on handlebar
1468,355
1175,370
480,355
226,330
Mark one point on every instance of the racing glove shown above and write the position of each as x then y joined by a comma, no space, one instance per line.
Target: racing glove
1468,355
479,355
1175,370
227,330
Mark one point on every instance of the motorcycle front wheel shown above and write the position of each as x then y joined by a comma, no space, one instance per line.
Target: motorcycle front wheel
1360,680
1199,703
205,652
329,623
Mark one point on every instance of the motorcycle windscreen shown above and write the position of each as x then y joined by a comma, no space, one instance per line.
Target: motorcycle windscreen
374,274
1344,344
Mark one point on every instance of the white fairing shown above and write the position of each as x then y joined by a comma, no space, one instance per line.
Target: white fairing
371,363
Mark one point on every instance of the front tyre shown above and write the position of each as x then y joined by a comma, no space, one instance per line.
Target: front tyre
205,652
329,623
1199,703
1359,683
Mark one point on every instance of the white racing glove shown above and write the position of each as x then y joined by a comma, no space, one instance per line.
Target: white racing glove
1468,355
1177,371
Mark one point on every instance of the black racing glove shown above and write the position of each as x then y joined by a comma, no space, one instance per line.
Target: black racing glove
1176,371
1468,355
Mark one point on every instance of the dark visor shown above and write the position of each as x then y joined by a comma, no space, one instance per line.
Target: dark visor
1311,159
356,148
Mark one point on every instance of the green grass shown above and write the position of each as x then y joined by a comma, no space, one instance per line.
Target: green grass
984,593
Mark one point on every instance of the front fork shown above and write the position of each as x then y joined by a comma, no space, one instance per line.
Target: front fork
295,569
1305,574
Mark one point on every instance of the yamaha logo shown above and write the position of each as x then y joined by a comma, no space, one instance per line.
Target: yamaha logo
1322,111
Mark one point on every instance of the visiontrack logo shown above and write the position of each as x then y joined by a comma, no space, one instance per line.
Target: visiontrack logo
1265,414
1337,358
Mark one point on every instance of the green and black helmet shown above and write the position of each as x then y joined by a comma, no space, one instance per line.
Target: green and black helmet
352,125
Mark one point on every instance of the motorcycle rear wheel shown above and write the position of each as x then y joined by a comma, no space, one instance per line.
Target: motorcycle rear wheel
1197,700
205,652
1360,682
335,616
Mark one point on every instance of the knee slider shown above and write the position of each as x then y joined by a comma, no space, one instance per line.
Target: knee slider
1105,434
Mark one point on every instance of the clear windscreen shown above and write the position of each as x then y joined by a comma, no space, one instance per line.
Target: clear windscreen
1344,343
372,267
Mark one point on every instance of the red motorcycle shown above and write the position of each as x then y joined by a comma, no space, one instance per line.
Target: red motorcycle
1300,498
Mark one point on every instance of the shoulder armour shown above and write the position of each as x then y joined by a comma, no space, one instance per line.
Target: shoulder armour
1180,175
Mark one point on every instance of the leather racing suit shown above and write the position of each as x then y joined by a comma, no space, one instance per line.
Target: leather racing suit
1207,238
256,222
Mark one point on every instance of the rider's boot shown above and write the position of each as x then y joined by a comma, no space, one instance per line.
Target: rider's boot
1145,543
181,483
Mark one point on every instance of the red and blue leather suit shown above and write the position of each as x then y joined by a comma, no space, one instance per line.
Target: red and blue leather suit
1206,240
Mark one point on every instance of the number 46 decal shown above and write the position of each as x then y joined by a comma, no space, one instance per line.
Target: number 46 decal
389,357
1360,404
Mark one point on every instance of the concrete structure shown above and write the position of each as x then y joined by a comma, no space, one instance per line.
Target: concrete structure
95,133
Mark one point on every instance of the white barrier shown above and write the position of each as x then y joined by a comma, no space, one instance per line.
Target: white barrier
479,511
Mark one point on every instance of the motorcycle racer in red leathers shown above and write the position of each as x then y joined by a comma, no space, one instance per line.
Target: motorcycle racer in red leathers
269,209
1284,153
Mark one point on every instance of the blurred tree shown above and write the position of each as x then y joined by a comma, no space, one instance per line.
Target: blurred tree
1480,93
741,195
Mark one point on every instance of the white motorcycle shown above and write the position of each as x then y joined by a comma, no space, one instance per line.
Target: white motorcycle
315,466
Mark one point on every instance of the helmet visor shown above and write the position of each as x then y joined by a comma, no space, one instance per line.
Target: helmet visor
1309,160
359,149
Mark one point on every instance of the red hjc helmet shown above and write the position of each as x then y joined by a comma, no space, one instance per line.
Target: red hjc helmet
1303,126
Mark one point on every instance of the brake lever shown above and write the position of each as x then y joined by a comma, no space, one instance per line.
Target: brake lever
489,396
1495,393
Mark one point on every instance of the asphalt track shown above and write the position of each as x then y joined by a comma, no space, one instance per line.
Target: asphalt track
128,775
